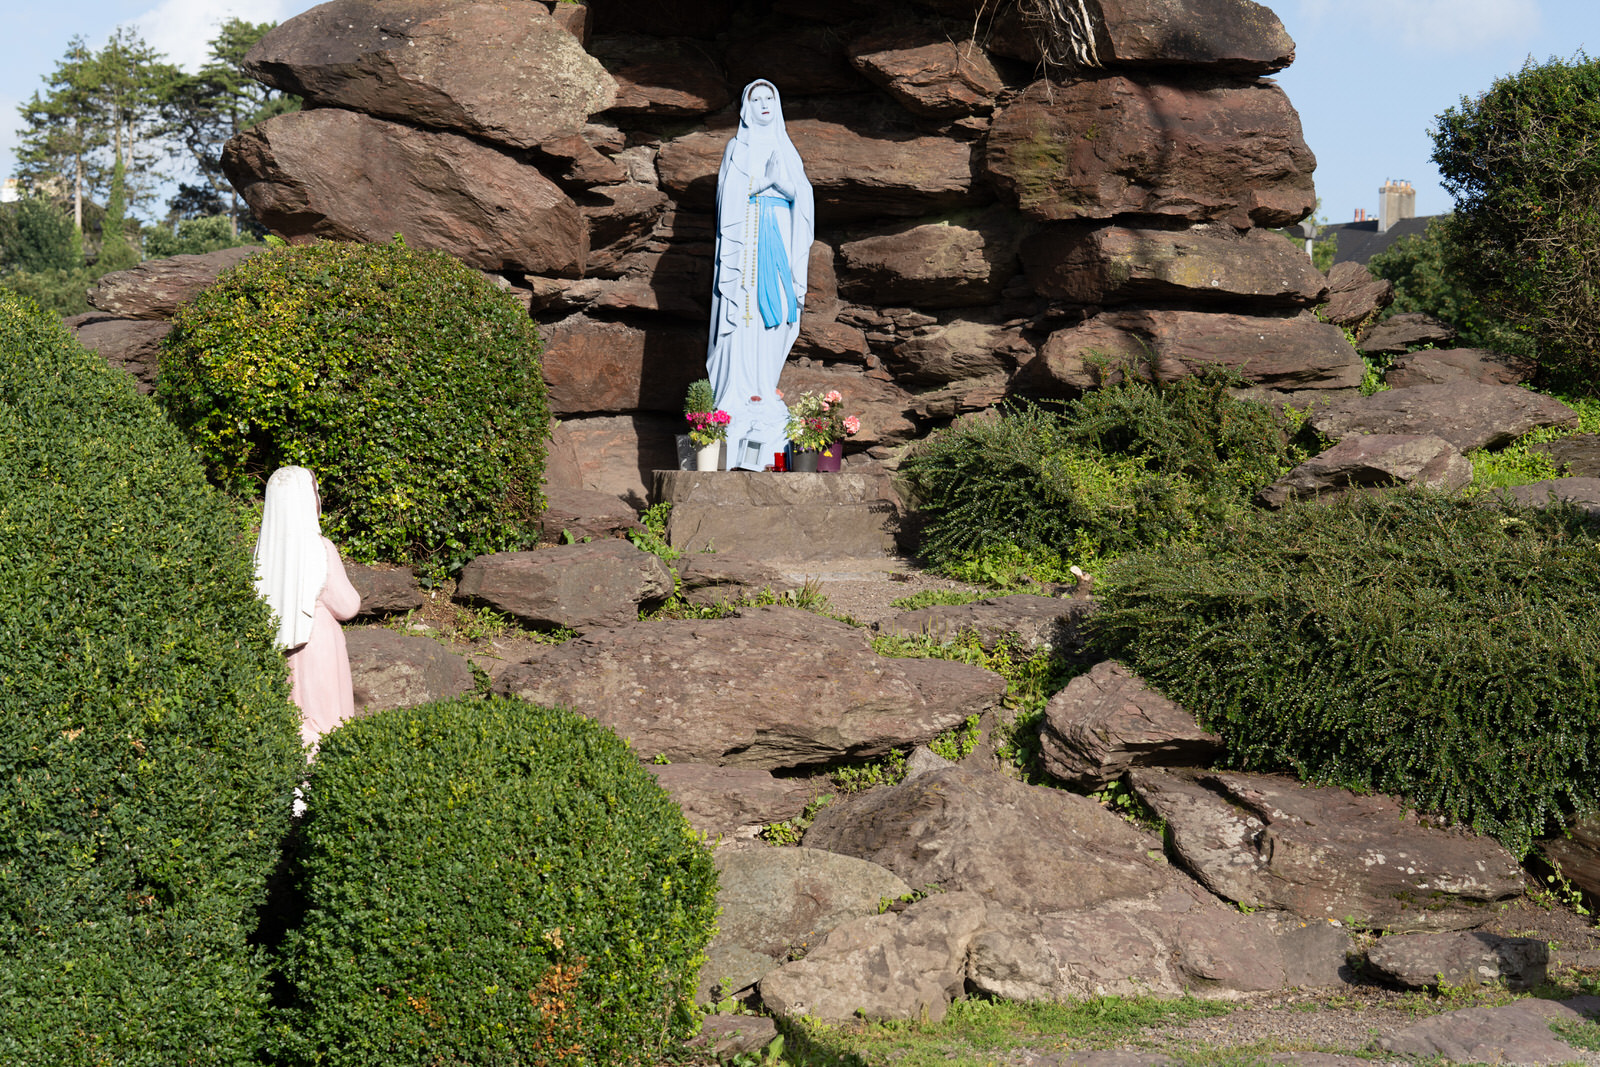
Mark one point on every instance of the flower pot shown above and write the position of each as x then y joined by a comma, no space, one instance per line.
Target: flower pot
829,459
708,457
804,461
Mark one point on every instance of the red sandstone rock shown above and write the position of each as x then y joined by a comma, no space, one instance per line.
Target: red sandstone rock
347,177
1225,151
506,73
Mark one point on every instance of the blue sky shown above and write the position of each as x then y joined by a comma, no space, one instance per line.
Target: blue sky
1368,79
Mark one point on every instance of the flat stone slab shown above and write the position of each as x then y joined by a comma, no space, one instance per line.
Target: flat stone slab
797,517
390,670
1515,1033
1467,414
1423,961
727,800
771,687
1580,492
1266,841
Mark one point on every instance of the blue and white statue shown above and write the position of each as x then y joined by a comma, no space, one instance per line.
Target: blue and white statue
766,218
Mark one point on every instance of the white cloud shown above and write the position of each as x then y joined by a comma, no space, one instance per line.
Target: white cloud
1437,25
183,29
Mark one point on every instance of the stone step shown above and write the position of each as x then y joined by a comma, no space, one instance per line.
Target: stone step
780,517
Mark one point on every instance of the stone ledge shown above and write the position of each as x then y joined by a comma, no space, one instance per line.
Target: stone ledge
798,517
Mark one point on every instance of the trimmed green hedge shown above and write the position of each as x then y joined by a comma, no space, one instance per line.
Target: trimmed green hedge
1408,643
147,744
407,381
490,882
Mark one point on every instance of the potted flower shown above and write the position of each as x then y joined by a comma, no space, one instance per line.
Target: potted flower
817,427
708,426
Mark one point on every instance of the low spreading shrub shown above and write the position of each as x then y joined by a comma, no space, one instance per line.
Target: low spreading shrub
1408,643
147,744
1128,465
404,379
491,883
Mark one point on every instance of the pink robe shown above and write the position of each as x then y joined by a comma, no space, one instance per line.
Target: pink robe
319,670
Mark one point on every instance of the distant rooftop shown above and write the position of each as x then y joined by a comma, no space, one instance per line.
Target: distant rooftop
1360,241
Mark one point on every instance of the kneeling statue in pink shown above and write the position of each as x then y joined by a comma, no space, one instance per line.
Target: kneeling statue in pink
299,574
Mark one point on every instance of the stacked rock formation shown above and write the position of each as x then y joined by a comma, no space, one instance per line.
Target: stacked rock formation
982,230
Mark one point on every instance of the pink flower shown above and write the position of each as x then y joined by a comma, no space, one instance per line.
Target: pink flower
833,396
721,418
852,425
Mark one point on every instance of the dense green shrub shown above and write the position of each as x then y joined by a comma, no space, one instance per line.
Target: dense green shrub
147,744
404,379
1409,643
1524,239
1127,465
491,883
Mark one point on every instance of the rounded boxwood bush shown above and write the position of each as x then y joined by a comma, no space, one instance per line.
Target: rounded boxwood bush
406,380
1408,643
491,882
147,744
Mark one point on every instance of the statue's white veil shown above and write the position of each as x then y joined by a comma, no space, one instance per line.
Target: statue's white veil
291,564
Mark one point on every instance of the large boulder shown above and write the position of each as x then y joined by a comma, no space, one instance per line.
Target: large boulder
1264,841
615,454
856,171
134,345
1578,455
507,74
964,261
720,577
592,365
388,591
962,348
796,518
1022,846
349,177
1129,144
1425,961
732,801
392,670
779,903
892,966
1293,353
581,586
1467,414
1436,366
1171,942
155,288
1092,263
579,515
773,687
1372,461
1232,35
674,77
929,74
1108,720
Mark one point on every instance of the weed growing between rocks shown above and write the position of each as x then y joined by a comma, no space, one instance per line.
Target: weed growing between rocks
928,598
1032,678
979,1032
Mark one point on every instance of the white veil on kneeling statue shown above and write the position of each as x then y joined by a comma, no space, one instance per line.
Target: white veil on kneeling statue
766,218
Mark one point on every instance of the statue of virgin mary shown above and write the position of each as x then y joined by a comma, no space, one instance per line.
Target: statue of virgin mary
765,222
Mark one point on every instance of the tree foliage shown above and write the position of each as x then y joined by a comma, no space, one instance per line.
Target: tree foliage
1426,280
204,110
1523,163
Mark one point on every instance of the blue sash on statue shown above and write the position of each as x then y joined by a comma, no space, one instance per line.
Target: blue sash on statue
774,280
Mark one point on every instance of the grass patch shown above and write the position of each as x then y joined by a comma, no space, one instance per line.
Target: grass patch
977,1033
929,598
